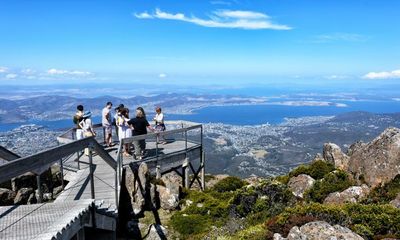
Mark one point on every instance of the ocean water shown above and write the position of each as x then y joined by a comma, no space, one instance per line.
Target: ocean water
247,114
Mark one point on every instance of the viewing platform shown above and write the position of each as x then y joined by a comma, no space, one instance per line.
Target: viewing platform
93,182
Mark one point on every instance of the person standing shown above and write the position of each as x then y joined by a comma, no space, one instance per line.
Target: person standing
115,119
106,123
77,119
124,130
159,124
140,126
87,128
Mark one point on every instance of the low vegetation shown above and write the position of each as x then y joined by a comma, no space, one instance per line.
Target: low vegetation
335,181
370,221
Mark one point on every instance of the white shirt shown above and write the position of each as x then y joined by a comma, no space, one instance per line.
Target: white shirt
159,118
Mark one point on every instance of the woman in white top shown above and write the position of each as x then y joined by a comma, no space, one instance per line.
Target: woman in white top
159,123
124,130
87,128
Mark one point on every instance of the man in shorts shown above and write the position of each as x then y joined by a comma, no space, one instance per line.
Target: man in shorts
106,122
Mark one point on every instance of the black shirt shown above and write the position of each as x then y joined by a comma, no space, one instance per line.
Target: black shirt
140,125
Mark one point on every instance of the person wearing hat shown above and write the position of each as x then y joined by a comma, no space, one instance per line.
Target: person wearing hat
116,115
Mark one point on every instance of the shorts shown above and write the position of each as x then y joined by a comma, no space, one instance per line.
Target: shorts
107,130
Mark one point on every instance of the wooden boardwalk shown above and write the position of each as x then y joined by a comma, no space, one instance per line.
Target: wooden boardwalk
104,176
43,221
90,199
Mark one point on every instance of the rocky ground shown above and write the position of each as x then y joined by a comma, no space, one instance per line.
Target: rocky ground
352,195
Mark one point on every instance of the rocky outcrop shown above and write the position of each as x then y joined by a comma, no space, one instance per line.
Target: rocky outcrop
396,202
333,154
300,184
378,161
23,195
351,195
168,199
6,196
27,180
137,182
319,231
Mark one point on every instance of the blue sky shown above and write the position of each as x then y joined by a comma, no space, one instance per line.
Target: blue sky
227,42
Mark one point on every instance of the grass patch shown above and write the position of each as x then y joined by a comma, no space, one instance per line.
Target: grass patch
228,184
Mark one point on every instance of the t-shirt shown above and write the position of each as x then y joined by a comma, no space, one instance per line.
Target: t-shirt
106,117
159,118
140,125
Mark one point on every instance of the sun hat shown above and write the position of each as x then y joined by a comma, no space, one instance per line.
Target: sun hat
87,115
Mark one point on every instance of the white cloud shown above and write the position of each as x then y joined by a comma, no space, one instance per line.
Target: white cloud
28,71
54,71
221,19
11,76
382,75
336,77
143,15
162,75
3,69
220,3
340,37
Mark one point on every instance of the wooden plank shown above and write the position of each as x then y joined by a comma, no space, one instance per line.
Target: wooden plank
41,159
7,154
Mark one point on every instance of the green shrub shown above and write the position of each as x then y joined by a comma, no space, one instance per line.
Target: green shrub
332,182
254,232
208,208
316,170
284,179
366,220
228,184
385,193
190,224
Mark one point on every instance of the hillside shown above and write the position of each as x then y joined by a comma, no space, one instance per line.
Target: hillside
328,198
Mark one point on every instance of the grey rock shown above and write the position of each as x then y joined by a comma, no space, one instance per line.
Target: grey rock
300,184
32,199
168,200
27,180
6,196
333,154
57,190
157,232
172,181
350,195
137,181
23,195
378,161
396,202
319,230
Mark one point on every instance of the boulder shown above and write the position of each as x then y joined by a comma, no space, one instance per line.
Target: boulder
6,197
350,195
23,195
172,181
300,184
27,180
137,182
157,232
32,199
168,199
333,154
378,161
355,147
396,202
319,230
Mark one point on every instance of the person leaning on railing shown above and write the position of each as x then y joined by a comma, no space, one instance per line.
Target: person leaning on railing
140,126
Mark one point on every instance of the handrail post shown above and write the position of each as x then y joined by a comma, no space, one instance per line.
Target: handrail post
39,188
91,170
62,173
158,172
